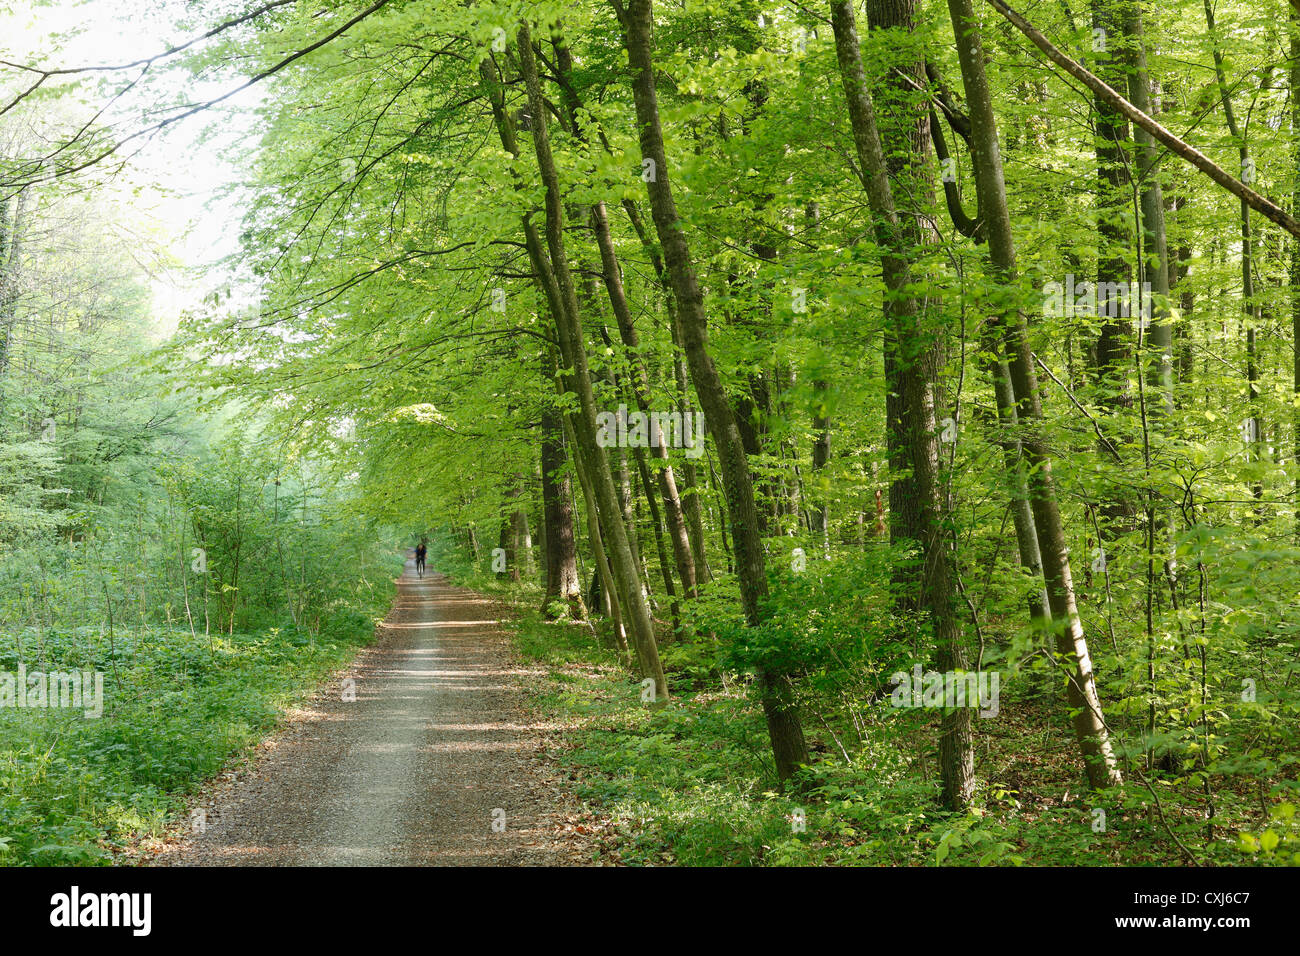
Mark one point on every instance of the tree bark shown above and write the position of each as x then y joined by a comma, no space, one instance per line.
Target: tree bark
916,348
561,552
1113,232
1295,244
667,483
12,227
776,690
604,575
552,266
1089,722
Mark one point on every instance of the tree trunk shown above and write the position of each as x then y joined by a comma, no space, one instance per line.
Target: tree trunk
777,692
690,489
1115,238
1254,425
917,347
1022,512
1089,723
552,267
667,482
607,591
562,582
12,228
1295,243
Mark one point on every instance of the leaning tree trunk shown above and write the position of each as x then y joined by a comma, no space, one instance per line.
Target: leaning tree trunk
1005,427
667,482
691,485
562,581
552,267
1022,512
604,576
1072,647
916,350
776,689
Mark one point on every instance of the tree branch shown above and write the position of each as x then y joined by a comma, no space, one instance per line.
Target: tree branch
1261,204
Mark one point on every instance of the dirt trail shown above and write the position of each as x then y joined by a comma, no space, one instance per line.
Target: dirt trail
436,746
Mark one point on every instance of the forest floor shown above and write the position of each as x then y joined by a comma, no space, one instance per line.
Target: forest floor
438,760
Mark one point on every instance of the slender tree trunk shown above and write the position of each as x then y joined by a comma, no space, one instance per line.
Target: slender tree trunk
692,509
819,513
692,486
916,350
821,456
665,565
12,229
1072,648
608,590
777,691
524,539
1022,512
552,266
1159,331
510,531
1155,331
1115,237
1254,424
1005,428
562,582
1179,269
1295,245
906,154
589,304
666,480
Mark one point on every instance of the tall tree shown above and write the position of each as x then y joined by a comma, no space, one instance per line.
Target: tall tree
776,689
551,269
1072,647
916,346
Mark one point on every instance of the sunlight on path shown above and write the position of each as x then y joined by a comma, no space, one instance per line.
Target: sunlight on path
433,751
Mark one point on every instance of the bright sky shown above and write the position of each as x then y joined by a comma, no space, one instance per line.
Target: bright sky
174,184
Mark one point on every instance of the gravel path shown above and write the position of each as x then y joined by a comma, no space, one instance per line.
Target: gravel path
435,762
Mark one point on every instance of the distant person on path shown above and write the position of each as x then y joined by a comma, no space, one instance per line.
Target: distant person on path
420,552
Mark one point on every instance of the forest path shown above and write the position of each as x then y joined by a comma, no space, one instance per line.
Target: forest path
437,743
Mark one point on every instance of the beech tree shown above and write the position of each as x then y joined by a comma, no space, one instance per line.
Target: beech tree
943,342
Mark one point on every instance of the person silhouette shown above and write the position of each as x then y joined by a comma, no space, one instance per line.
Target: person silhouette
420,553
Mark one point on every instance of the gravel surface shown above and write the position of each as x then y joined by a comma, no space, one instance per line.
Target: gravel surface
436,762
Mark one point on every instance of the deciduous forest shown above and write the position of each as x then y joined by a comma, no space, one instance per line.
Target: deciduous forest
843,433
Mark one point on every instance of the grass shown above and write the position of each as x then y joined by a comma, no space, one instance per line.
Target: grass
689,781
74,791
